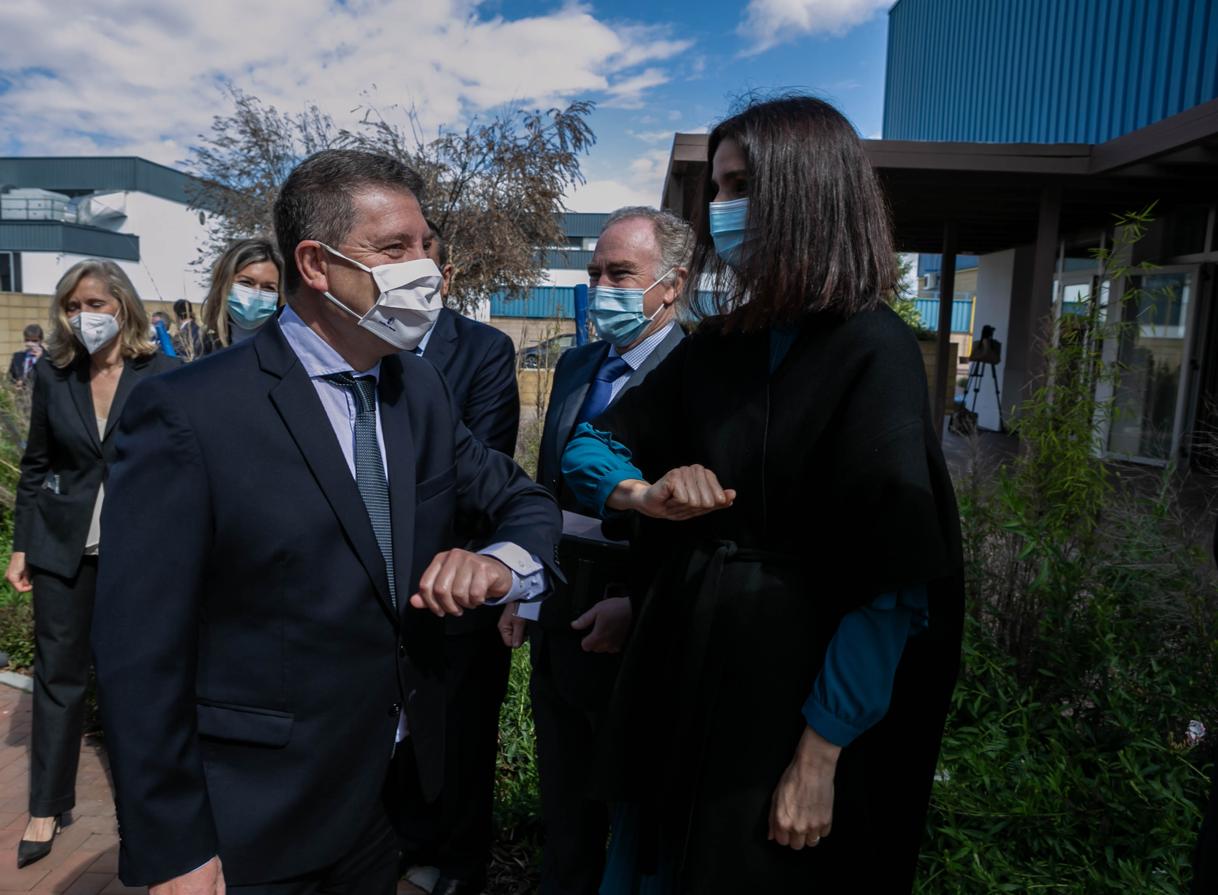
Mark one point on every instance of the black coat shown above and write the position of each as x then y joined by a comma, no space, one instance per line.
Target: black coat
842,495
250,692
65,460
479,364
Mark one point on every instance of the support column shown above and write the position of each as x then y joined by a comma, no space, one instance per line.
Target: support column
947,296
1032,304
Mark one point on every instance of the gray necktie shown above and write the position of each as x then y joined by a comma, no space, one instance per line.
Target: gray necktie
369,468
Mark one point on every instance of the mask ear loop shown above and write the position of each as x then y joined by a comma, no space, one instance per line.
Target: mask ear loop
663,305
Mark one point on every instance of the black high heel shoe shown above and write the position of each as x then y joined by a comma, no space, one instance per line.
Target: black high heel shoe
28,852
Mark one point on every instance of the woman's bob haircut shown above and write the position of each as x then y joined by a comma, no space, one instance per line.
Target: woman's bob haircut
818,236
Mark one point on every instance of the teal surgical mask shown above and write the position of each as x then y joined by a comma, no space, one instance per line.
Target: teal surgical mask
250,307
728,221
617,312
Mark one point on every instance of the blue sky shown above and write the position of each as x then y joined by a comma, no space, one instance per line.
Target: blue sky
143,76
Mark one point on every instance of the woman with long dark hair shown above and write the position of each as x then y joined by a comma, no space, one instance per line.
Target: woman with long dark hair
244,292
98,349
778,716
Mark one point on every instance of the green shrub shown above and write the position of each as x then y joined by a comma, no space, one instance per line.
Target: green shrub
1091,643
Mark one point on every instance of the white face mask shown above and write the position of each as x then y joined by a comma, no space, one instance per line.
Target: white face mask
409,302
94,330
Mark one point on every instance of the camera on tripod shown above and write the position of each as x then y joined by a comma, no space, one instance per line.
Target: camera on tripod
987,352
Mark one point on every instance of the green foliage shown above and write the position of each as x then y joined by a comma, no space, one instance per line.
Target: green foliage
1091,642
517,849
16,611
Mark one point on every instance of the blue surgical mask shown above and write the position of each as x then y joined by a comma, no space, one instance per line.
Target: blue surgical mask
249,307
617,312
728,221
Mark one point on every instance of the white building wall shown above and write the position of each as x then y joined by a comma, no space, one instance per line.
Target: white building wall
170,238
995,274
560,277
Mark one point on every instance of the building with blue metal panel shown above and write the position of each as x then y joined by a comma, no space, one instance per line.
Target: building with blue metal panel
1045,71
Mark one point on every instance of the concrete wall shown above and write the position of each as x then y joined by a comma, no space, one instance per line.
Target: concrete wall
992,307
19,309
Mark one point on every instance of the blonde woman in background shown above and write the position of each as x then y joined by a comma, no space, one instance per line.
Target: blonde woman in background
244,292
97,351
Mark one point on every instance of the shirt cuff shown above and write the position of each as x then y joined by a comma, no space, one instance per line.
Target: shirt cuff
528,574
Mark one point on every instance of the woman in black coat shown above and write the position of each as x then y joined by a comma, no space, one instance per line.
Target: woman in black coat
778,714
97,352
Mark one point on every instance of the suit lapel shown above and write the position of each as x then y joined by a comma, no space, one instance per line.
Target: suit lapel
82,397
295,398
442,345
400,451
573,400
675,335
133,372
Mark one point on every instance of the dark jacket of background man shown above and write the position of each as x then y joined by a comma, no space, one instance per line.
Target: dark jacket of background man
570,687
258,682
479,365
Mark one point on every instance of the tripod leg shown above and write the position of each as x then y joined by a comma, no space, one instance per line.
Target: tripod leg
1002,426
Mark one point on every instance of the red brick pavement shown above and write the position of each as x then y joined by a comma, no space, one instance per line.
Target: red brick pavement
85,858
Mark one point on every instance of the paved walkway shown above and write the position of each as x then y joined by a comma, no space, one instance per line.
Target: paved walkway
85,858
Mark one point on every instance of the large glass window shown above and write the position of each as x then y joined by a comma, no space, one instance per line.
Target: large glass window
1152,353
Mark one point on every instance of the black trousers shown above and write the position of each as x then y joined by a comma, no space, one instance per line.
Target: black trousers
370,868
570,691
63,614
455,832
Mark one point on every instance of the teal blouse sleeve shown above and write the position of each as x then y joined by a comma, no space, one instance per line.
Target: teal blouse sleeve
854,687
593,465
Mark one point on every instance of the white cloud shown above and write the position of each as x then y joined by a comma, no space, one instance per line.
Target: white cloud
767,23
628,92
610,194
144,76
660,136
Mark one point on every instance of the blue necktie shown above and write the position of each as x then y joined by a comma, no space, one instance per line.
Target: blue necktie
369,468
602,388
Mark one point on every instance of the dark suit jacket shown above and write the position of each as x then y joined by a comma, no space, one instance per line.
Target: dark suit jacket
250,694
65,460
479,364
16,367
572,378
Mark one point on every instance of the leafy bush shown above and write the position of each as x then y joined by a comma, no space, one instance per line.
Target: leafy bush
1091,643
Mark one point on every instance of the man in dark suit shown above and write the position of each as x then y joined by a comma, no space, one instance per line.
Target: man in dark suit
21,367
640,262
448,843
254,695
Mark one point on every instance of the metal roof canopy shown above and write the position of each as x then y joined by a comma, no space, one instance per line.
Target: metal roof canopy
82,175
993,191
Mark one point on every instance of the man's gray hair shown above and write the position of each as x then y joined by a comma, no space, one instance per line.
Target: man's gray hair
674,235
